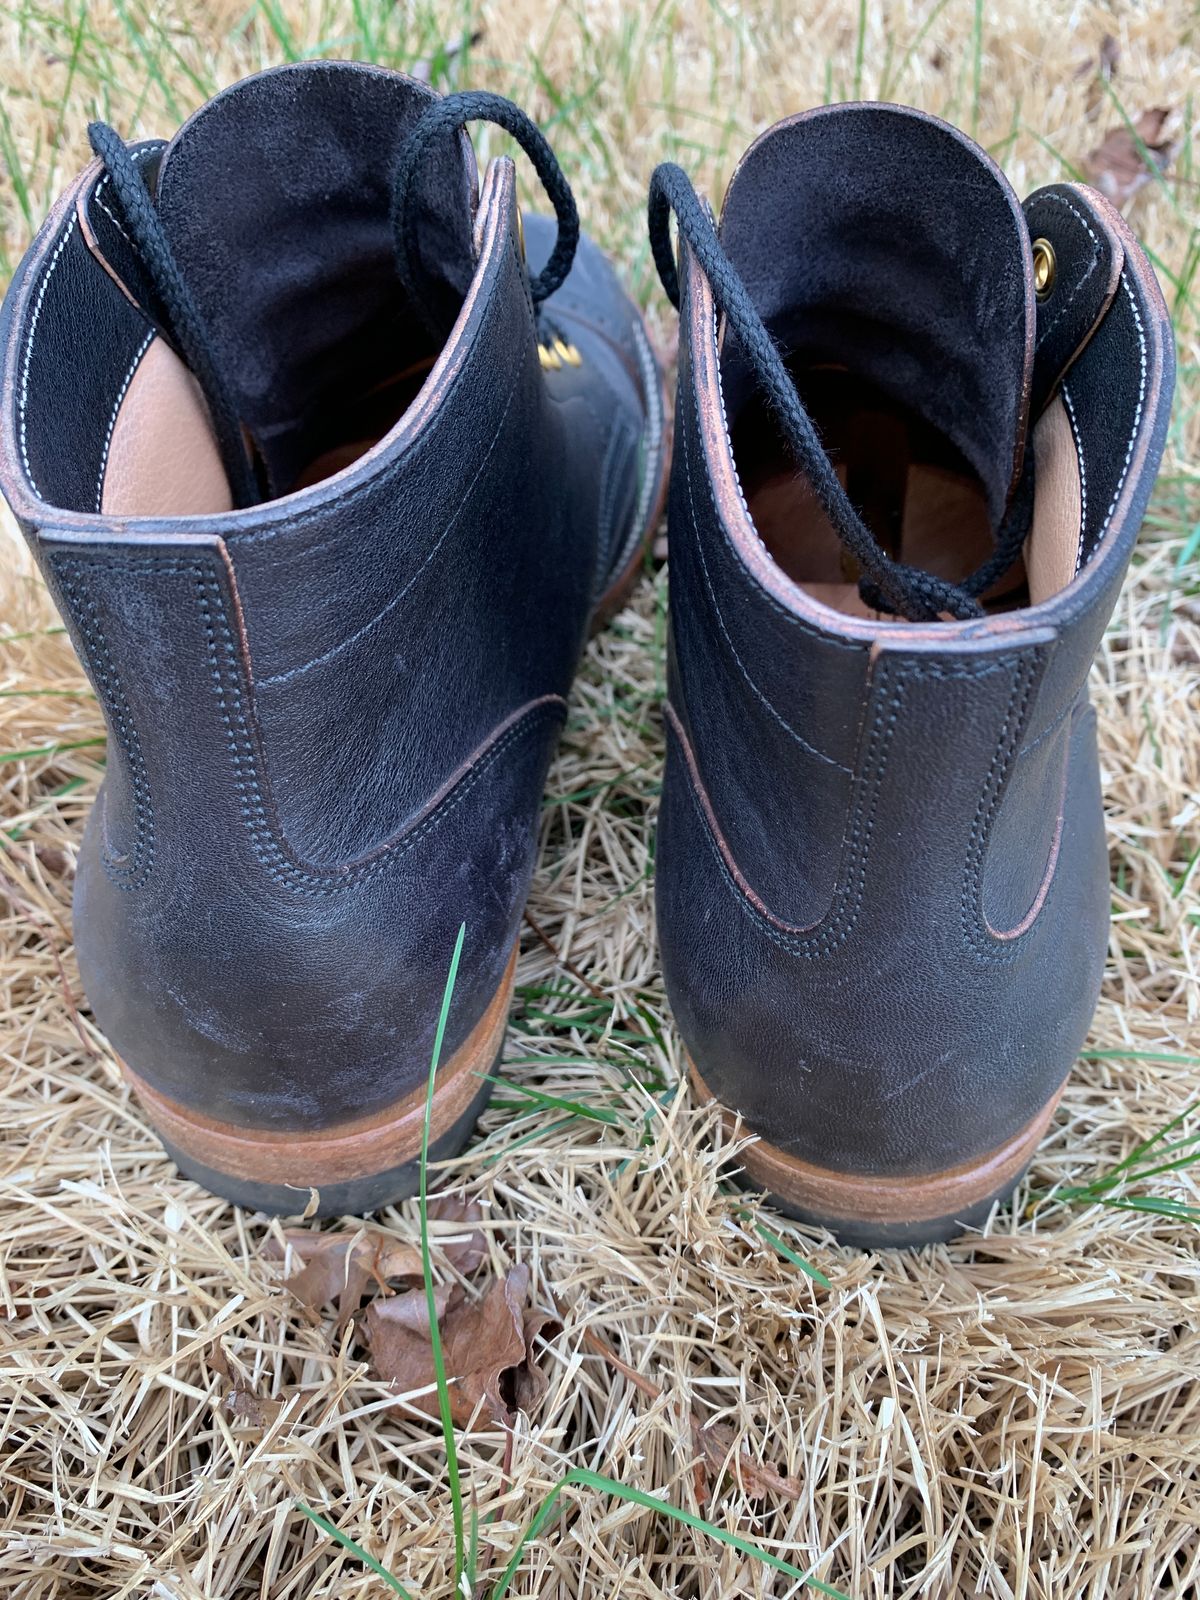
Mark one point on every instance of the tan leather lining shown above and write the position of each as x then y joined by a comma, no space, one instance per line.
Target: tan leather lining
162,459
846,1196
1052,548
357,1149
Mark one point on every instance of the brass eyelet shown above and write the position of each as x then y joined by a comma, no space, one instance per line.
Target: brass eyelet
569,353
1045,268
549,357
520,233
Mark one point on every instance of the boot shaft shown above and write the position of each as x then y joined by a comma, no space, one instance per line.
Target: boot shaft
882,881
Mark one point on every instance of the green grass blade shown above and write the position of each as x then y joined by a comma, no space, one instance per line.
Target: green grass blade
347,1543
582,1478
50,750
789,1254
435,1335
554,1102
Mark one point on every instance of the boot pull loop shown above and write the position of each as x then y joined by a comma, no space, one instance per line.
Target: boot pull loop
185,323
450,115
886,585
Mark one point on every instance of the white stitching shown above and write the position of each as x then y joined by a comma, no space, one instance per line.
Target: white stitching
37,311
107,178
1070,405
1061,311
1137,416
23,405
109,214
112,420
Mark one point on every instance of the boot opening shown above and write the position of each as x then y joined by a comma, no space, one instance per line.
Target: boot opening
915,490
275,200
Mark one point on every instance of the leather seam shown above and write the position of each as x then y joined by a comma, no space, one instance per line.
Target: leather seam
825,936
266,846
23,405
344,644
128,871
112,418
1070,407
268,849
978,934
1137,416
776,605
135,156
685,454
651,435
403,461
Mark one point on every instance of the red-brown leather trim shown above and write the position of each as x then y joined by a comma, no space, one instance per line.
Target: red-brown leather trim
854,1197
350,1150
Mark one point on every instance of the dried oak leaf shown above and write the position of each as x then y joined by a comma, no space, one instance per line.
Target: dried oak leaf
487,1348
339,1268
464,1247
1117,167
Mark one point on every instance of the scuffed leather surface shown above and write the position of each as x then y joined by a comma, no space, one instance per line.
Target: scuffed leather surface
330,715
245,980
888,965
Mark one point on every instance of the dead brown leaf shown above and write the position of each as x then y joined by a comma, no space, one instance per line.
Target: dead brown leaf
717,1444
1117,166
465,1248
486,1346
238,1397
339,1268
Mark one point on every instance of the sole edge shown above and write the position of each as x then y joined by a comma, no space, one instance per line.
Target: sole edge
867,1210
275,1169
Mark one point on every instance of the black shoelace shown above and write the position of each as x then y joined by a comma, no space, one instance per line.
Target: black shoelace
885,584
184,323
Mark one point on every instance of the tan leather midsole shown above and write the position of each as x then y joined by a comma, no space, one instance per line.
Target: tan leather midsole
357,1149
853,1197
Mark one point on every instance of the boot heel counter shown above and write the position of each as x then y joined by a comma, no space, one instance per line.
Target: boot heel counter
234,975
900,1032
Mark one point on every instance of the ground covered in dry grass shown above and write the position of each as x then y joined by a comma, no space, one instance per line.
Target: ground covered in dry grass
1012,1415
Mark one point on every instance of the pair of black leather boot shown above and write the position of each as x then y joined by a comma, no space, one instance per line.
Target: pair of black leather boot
331,461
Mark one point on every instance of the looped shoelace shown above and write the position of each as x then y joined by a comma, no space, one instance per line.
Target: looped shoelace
885,585
182,313
450,115
184,321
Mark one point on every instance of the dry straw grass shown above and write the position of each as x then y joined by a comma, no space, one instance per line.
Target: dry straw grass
1017,1415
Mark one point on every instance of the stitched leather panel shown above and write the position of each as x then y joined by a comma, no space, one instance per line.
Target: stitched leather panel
240,977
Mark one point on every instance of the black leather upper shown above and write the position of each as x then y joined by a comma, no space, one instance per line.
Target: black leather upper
330,715
881,871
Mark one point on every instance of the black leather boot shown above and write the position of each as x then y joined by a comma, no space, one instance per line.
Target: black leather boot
917,428
328,484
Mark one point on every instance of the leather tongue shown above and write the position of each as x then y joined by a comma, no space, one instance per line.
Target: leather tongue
276,199
879,239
